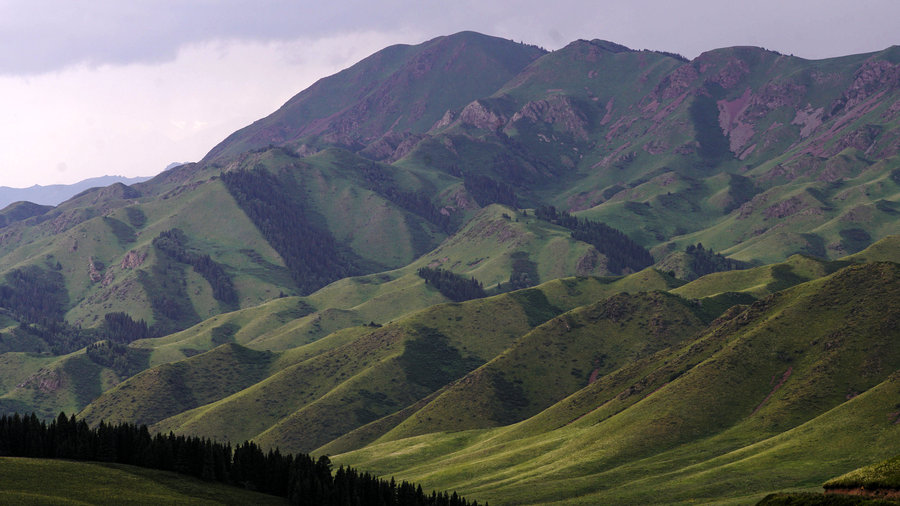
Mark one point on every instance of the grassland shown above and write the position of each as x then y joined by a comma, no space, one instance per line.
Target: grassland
39,481
709,419
578,389
881,475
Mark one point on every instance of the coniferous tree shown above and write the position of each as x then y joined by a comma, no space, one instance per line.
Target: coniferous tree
453,286
300,478
621,252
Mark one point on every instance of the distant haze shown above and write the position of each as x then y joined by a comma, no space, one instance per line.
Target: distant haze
105,86
53,195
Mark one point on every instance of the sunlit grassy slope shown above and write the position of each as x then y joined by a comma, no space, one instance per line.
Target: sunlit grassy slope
880,475
558,387
350,377
765,399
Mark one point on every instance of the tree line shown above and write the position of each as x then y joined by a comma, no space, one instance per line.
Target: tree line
453,286
621,252
119,357
34,295
311,254
381,182
486,191
172,243
299,478
706,261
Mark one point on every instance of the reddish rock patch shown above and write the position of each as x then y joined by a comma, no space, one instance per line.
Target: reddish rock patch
784,378
881,493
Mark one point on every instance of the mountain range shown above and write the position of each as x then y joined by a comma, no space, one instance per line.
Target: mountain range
590,275
55,194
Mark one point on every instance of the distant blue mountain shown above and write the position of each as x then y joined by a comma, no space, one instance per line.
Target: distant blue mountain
55,194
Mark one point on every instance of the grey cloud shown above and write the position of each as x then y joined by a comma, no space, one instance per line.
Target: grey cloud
45,35
39,36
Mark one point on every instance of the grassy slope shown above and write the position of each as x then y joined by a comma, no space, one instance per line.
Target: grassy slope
172,388
711,401
767,279
404,88
661,200
337,369
48,384
105,234
483,249
759,281
885,474
330,387
555,360
40,481
277,321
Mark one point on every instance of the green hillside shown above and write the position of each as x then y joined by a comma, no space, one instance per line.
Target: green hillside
555,360
396,87
685,274
881,475
742,149
47,385
349,377
638,433
41,481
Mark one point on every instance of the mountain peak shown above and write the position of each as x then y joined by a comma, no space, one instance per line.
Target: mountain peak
612,47
400,88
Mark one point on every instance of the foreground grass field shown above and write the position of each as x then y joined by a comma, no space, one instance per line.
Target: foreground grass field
39,481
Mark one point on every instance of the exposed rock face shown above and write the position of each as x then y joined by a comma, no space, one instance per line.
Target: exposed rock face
133,259
44,381
790,207
875,76
809,119
677,83
95,272
478,115
557,110
730,74
738,118
391,146
445,120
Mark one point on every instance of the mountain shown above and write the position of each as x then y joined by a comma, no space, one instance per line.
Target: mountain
719,416
382,101
52,195
753,155
684,275
574,384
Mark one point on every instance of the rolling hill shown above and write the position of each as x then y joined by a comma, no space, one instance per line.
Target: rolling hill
579,381
42,481
718,417
686,275
755,154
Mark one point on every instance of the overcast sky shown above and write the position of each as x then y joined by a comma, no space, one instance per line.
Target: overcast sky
125,87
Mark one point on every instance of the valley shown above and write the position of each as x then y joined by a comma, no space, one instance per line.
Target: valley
591,275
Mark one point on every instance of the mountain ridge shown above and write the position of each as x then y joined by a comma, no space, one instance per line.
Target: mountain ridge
279,289
55,194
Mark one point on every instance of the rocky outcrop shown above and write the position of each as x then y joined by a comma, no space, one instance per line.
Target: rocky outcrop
808,119
95,270
44,381
391,146
557,110
133,259
678,82
445,121
478,115
873,77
